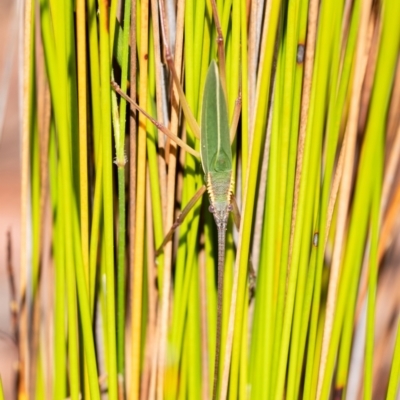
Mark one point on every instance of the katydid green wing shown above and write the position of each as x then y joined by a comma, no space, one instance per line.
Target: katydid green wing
216,155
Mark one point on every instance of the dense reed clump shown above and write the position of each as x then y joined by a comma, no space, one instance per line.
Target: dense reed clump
314,163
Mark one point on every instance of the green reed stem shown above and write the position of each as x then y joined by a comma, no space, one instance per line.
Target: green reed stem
395,370
121,161
108,243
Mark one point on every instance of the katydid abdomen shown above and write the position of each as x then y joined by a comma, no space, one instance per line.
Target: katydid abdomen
216,158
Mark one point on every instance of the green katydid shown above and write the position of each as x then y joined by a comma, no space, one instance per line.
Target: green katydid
216,157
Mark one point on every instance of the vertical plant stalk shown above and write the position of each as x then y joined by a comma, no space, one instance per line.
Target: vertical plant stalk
69,228
36,241
57,75
44,123
373,271
155,218
13,290
1,390
82,104
260,205
305,104
132,165
253,54
70,276
258,134
150,345
105,76
25,189
96,119
381,95
389,223
331,182
160,114
121,161
121,279
388,219
245,90
395,369
140,207
345,187
59,377
205,388
83,151
166,278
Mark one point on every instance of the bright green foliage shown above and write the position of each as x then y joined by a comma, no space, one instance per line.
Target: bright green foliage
286,159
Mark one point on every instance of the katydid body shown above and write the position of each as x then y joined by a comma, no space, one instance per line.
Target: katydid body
216,158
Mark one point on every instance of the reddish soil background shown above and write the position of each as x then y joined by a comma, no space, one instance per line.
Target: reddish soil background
9,183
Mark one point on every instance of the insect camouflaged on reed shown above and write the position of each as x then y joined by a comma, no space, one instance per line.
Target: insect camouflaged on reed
215,137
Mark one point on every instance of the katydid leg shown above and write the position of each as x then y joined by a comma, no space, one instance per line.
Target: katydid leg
181,218
235,212
157,124
251,270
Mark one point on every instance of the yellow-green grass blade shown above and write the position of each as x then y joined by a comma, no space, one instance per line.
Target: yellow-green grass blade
395,370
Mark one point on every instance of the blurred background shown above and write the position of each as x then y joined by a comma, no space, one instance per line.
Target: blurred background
10,182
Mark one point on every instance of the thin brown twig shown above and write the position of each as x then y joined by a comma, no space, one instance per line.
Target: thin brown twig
333,195
13,290
394,206
35,339
159,106
393,148
154,361
373,37
346,20
150,345
393,114
305,104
